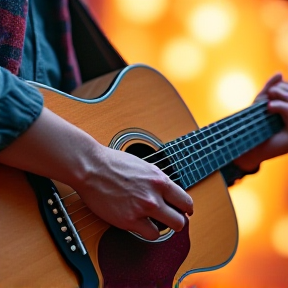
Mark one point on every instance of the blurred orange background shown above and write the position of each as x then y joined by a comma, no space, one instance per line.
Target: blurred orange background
218,55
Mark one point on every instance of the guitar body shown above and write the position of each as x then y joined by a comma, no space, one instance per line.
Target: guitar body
140,106
28,255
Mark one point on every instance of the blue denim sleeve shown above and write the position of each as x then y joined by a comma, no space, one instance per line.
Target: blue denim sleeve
20,106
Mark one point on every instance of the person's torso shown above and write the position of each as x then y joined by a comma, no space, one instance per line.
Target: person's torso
40,59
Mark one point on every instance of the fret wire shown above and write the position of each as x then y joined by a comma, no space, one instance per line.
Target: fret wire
194,133
226,136
186,175
263,124
239,124
193,144
248,110
226,157
199,153
242,120
247,134
183,156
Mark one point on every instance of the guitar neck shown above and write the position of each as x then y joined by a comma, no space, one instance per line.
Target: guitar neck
198,154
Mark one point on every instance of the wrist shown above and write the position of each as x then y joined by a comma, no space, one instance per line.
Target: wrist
87,163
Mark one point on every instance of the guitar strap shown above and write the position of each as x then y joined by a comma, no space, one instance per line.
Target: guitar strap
95,54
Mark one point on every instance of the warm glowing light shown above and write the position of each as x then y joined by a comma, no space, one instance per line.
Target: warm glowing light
236,91
211,23
281,43
182,59
142,11
216,55
133,51
280,237
248,209
269,11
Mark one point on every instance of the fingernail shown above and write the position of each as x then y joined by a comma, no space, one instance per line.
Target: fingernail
190,214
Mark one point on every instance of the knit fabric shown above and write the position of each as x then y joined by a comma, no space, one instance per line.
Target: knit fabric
12,31
13,15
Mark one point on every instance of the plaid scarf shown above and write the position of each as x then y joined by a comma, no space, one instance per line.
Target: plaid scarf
12,31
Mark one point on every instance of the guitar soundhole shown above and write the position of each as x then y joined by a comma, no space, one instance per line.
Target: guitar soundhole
156,157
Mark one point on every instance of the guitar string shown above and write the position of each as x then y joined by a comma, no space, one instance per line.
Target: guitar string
190,172
218,132
78,220
192,144
227,128
201,158
66,196
252,108
231,134
88,225
83,217
189,155
73,193
91,235
208,146
71,213
209,127
74,202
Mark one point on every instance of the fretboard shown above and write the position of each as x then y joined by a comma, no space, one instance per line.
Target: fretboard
198,154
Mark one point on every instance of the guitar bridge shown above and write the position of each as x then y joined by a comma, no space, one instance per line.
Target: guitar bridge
69,223
62,230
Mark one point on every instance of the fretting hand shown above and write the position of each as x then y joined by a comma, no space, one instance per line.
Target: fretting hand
276,91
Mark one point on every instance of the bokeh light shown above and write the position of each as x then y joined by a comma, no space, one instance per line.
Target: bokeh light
280,236
248,209
218,54
211,23
142,11
235,90
273,13
182,59
134,53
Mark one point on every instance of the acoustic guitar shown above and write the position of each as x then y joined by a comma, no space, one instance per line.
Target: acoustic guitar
135,109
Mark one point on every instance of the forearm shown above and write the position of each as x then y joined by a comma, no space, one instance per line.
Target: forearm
53,148
119,187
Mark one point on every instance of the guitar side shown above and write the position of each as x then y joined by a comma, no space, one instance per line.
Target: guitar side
139,100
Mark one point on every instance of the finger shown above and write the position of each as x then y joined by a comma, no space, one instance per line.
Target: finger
146,228
272,81
283,85
178,198
280,107
278,92
169,216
